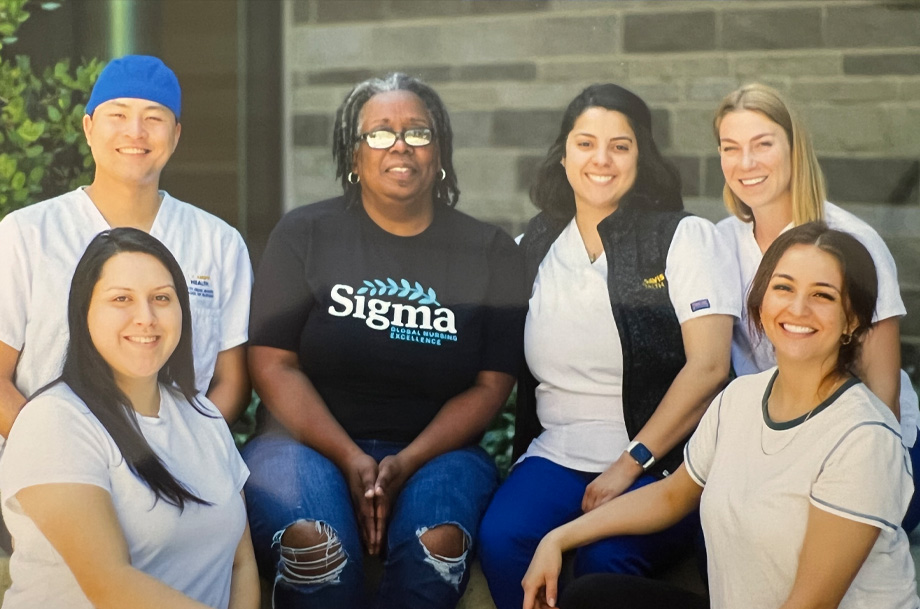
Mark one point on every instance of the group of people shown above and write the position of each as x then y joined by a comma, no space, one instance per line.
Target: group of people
385,330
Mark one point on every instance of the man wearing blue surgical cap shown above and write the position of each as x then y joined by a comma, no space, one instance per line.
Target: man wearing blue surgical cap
132,127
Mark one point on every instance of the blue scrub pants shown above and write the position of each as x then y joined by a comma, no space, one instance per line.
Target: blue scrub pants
540,495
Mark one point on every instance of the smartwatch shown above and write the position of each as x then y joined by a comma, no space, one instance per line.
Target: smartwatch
642,455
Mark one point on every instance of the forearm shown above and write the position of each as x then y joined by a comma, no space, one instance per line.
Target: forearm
11,402
126,586
231,399
293,400
879,365
649,509
244,581
683,405
230,390
461,420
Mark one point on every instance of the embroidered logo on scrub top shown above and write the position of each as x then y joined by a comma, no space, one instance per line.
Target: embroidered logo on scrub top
423,321
654,283
200,285
699,305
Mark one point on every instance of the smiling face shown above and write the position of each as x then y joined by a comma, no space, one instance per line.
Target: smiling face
803,309
400,175
756,160
134,317
601,158
131,139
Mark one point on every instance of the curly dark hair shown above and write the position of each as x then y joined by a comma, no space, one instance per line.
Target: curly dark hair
348,126
656,178
860,281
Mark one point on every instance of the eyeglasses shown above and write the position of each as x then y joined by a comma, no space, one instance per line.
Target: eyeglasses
381,139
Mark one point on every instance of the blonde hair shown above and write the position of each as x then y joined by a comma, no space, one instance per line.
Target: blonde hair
807,185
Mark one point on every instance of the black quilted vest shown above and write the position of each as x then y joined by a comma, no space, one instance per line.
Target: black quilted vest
636,244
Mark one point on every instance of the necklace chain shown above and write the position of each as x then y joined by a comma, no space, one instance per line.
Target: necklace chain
799,426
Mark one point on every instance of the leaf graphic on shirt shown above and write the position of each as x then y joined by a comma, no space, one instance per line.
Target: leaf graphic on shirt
402,289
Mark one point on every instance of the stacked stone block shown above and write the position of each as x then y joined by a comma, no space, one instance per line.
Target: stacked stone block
507,68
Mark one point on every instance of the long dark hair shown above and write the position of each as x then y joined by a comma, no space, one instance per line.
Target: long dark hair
90,377
348,126
860,281
657,180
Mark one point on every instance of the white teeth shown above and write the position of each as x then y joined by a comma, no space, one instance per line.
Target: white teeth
132,150
753,181
798,329
142,339
399,169
599,179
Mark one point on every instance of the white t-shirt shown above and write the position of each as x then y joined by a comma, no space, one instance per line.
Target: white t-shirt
56,439
760,478
40,246
573,347
752,353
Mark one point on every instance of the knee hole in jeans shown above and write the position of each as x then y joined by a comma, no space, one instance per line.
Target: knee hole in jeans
446,547
446,540
311,553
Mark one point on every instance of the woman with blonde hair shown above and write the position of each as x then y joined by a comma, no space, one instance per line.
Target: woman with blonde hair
773,182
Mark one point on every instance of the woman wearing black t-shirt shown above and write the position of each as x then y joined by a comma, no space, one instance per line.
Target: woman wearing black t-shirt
386,332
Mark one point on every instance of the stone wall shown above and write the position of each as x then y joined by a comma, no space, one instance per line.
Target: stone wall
507,68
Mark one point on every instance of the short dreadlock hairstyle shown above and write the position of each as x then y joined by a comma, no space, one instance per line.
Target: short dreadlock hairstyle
348,126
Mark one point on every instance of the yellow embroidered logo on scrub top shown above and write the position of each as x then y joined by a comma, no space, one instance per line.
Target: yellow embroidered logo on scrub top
654,283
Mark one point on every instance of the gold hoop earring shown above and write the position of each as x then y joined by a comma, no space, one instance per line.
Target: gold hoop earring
352,175
846,339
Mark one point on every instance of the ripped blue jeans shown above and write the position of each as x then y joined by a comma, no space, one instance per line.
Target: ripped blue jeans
290,482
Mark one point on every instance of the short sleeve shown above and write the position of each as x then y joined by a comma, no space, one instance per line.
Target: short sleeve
55,441
866,477
236,467
237,281
282,297
506,308
702,272
700,450
15,283
889,302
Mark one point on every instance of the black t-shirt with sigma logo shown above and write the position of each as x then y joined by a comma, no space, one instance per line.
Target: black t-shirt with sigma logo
389,328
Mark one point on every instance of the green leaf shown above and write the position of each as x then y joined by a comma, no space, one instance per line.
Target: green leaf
34,151
36,175
18,181
30,131
54,114
7,166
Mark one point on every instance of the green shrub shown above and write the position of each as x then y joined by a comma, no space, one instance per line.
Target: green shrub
499,438
42,149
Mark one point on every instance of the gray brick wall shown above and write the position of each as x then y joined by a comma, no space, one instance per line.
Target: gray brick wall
507,68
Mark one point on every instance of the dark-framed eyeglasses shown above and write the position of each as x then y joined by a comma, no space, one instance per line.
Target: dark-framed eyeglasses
381,139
